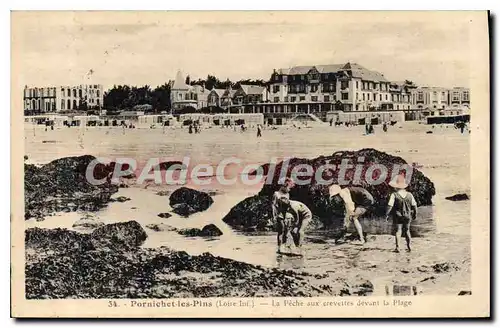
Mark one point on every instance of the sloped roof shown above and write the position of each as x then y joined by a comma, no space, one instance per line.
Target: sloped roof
359,71
219,92
329,68
229,93
283,71
299,70
180,82
296,70
252,89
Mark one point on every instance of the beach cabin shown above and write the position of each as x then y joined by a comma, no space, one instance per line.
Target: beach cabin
238,119
222,119
202,119
155,121
46,120
87,120
361,118
449,115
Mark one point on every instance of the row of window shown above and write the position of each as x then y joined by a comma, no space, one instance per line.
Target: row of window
397,107
326,98
80,92
187,96
51,92
455,96
74,105
314,76
367,85
37,105
325,87
345,96
42,92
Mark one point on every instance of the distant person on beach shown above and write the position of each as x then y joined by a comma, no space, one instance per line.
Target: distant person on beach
190,128
384,127
295,223
331,121
259,131
403,208
357,201
367,128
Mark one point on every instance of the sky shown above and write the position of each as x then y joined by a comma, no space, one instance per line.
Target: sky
138,48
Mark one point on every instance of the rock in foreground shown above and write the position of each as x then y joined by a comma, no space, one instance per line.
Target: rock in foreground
61,185
185,201
122,235
73,271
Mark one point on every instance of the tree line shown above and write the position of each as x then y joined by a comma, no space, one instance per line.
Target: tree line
212,82
127,97
121,97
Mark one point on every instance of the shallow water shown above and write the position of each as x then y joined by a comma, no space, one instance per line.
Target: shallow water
443,157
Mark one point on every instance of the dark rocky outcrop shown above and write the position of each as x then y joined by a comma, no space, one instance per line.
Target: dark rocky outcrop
164,215
61,185
256,211
185,201
252,212
458,197
56,240
116,236
121,235
210,230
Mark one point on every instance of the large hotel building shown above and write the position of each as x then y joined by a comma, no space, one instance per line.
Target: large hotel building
348,87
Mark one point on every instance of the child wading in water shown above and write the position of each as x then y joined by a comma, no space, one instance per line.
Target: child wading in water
403,207
296,216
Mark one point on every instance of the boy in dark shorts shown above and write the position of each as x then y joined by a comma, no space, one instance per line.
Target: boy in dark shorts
295,218
357,201
403,207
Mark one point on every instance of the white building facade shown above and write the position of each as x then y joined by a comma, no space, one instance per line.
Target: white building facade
62,98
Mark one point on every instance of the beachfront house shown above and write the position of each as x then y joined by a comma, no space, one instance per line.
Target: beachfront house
227,98
183,96
215,97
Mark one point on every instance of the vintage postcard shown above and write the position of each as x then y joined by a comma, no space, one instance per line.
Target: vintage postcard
250,164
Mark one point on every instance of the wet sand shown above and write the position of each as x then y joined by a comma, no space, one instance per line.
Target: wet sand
443,156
